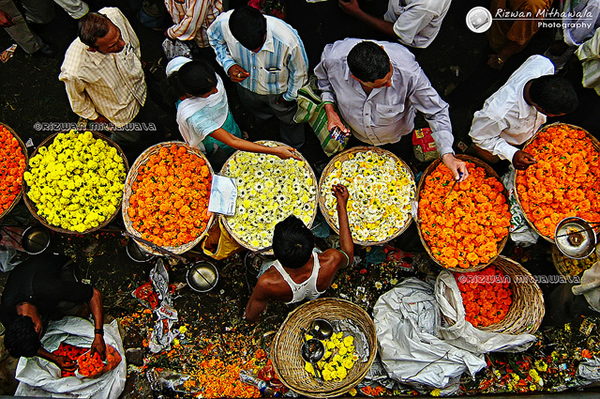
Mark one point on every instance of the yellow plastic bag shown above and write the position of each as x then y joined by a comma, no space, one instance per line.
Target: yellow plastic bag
218,243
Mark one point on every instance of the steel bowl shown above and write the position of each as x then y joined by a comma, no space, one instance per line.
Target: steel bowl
136,253
321,329
35,240
575,237
202,276
312,350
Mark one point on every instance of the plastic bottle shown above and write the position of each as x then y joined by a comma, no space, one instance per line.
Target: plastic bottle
247,377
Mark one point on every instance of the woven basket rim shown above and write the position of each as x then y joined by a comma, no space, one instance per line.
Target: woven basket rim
24,151
31,205
491,173
559,260
290,328
224,218
525,313
127,192
342,156
595,143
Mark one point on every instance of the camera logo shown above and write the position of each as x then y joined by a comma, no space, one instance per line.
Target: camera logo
479,19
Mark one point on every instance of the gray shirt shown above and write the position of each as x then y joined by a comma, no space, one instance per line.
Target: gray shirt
388,113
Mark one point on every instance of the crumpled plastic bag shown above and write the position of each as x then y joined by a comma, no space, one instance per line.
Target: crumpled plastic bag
163,333
520,231
41,378
463,334
406,320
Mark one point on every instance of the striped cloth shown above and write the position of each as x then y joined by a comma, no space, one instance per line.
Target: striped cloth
112,84
281,65
589,55
192,18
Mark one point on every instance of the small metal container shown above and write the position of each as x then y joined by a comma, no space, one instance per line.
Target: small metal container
321,329
575,238
312,350
136,253
202,276
35,240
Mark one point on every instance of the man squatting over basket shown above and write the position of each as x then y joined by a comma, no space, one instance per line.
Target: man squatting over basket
300,271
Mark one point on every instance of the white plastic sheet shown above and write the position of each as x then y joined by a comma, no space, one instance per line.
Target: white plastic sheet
41,378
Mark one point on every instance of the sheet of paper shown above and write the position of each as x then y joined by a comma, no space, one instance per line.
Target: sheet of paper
223,194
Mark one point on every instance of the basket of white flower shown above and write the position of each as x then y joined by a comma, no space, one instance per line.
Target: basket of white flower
349,351
381,188
74,181
269,190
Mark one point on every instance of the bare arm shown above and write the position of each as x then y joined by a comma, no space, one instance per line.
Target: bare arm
283,152
257,303
351,7
341,193
98,314
63,362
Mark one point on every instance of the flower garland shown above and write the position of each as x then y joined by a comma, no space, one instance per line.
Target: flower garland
463,229
12,166
380,189
269,190
76,182
564,182
169,204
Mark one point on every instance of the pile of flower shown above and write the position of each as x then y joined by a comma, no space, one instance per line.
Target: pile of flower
76,183
463,229
12,166
90,365
169,201
70,351
563,182
486,295
574,267
381,189
269,190
339,357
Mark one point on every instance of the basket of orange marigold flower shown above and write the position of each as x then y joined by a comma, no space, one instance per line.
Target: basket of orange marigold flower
564,182
503,298
463,230
165,199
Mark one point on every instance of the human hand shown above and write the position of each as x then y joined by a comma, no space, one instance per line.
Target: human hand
237,73
6,20
522,160
98,346
333,120
495,62
341,194
350,7
65,363
456,166
285,102
285,152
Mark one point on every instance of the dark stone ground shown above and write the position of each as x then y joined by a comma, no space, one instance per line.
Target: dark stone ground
30,92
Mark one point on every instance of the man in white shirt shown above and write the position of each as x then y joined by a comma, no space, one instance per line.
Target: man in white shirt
378,88
514,113
103,72
415,23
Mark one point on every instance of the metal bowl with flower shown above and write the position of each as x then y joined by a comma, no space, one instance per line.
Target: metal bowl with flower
381,188
269,190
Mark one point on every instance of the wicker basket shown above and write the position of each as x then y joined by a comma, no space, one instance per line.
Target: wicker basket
285,349
31,205
131,177
224,219
343,156
527,309
561,261
596,145
490,172
24,150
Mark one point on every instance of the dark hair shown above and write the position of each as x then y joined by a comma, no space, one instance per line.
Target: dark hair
92,26
554,95
293,242
196,77
248,26
368,61
21,339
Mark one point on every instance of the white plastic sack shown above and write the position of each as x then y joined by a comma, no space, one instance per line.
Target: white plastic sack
41,378
406,320
463,334
520,231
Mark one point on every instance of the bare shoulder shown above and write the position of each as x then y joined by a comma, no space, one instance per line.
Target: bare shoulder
271,285
331,258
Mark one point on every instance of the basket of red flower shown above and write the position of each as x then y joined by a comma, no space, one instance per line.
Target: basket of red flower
13,160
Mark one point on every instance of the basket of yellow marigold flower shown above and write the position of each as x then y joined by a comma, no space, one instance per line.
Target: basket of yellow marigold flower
74,181
564,180
466,229
349,351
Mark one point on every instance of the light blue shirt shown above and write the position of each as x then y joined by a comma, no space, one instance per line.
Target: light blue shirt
281,65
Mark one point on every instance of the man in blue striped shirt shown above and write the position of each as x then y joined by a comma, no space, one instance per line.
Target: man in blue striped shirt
267,58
